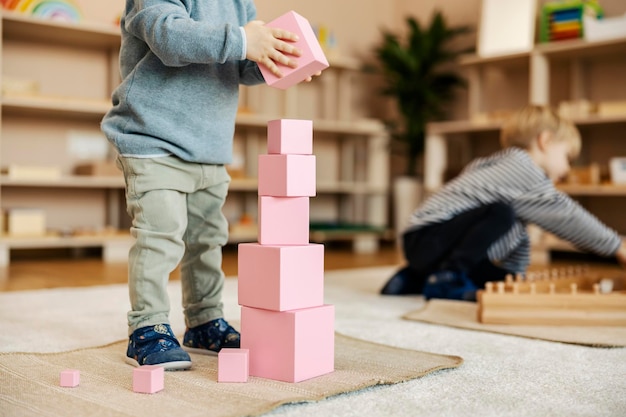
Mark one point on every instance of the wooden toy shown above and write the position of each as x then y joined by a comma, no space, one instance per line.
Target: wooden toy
232,365
290,136
148,379
287,175
70,378
560,20
25,222
289,346
310,62
281,278
569,296
283,220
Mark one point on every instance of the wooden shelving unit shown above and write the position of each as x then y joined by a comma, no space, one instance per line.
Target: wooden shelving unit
357,193
572,57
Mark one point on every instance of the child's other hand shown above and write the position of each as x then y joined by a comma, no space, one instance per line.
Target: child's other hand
621,254
309,79
267,46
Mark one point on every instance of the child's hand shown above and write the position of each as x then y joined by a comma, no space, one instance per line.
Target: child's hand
621,254
267,46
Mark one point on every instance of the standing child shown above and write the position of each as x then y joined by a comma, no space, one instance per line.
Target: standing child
473,230
172,123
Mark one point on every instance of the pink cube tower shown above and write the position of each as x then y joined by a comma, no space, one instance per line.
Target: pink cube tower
312,59
285,325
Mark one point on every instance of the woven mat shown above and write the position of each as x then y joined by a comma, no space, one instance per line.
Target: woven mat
463,315
30,382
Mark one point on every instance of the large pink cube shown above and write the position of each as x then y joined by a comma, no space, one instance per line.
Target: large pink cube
70,378
291,345
148,379
310,62
283,220
232,365
281,278
290,136
287,175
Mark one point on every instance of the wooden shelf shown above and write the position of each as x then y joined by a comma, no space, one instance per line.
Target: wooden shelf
56,241
579,48
576,48
462,126
38,106
606,190
105,38
467,126
509,60
17,26
361,127
348,187
73,181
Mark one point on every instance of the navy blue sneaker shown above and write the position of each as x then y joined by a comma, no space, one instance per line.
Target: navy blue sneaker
450,285
211,337
157,345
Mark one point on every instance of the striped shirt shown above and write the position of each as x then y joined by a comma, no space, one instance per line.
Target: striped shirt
511,176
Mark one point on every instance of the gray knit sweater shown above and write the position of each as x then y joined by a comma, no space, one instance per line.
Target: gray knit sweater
181,63
511,176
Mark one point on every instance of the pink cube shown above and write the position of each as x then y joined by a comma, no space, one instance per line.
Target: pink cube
291,345
148,379
287,175
310,62
290,136
232,365
70,378
283,220
281,278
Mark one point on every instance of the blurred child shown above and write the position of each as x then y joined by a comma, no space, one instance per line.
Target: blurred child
473,230
172,123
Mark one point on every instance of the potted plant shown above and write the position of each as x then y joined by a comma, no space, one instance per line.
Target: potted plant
418,74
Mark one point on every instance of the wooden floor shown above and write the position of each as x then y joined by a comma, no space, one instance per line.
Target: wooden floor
64,271
53,270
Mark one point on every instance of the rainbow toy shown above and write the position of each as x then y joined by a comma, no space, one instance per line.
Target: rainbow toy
63,10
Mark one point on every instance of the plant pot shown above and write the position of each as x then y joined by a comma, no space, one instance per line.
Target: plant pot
407,195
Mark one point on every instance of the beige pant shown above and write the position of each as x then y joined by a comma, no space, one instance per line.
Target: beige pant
176,211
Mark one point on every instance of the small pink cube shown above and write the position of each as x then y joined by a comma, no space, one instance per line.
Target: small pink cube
232,365
287,175
70,378
148,379
290,136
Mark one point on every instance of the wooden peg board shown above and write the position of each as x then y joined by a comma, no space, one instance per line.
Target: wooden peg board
567,296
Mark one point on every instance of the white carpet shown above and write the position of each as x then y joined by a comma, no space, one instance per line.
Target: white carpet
502,375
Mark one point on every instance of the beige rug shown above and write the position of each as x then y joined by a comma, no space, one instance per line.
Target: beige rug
30,382
464,315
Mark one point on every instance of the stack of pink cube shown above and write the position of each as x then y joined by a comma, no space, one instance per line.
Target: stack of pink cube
285,325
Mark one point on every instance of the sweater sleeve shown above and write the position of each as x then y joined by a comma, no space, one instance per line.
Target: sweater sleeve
557,213
178,40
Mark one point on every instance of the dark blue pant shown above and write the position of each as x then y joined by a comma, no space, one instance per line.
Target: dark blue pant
459,244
